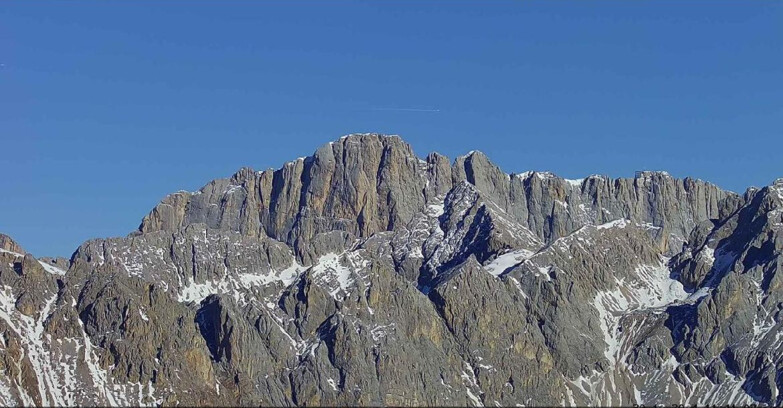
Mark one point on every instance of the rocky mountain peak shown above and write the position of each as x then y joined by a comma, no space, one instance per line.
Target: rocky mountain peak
366,183
8,244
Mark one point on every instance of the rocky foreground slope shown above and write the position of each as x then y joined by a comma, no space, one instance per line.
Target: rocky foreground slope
364,275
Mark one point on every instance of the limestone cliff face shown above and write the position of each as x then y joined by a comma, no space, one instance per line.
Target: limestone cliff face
364,184
364,275
361,184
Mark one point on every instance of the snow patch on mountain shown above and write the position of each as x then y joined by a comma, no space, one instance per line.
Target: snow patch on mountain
52,269
332,273
508,260
651,287
237,284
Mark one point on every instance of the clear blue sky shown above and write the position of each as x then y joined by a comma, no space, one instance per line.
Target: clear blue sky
106,107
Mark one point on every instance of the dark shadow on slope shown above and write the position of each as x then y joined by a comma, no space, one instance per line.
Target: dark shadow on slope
215,331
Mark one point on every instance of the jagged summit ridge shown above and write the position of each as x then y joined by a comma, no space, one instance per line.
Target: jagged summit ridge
367,183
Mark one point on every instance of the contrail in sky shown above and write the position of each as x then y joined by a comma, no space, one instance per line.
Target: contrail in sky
405,109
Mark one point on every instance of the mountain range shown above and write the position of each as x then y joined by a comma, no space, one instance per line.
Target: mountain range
366,275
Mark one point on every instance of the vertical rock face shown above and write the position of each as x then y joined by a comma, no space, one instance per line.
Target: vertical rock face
364,275
361,184
364,184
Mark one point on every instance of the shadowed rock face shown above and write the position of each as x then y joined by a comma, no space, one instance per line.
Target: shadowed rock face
364,275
